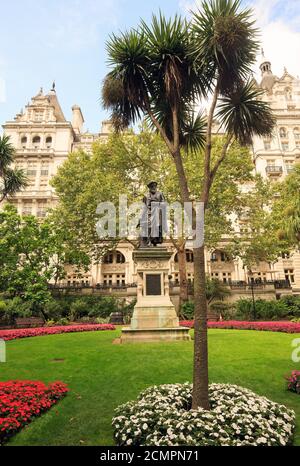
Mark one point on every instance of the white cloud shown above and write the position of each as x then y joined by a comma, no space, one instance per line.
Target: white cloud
280,37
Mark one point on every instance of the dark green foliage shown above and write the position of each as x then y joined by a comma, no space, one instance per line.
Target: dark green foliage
286,307
187,310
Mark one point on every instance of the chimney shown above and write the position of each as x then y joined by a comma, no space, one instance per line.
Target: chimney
77,119
106,127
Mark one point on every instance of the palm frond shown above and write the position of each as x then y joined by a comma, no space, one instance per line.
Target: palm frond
226,41
14,180
243,114
7,152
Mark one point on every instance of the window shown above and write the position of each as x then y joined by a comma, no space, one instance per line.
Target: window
48,142
41,209
38,115
45,168
285,146
288,93
26,208
36,141
214,257
108,258
289,165
267,145
226,277
283,133
31,168
289,275
24,141
224,257
189,256
285,255
120,259
297,133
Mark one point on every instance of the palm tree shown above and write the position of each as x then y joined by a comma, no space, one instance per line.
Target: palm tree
11,180
161,71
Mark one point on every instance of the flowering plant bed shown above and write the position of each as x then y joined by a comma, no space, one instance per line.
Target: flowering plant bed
162,415
294,382
284,326
22,401
36,332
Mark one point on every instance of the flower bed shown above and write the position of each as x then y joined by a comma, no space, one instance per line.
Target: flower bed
22,401
162,415
285,326
294,382
36,332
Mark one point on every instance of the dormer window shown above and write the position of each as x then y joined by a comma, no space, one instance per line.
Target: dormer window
283,133
38,115
48,142
24,141
36,141
288,94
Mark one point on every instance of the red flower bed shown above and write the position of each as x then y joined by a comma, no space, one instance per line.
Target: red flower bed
287,327
22,401
36,332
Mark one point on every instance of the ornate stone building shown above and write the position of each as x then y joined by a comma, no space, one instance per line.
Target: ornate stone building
43,138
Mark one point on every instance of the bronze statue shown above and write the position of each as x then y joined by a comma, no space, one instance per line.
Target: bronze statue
153,222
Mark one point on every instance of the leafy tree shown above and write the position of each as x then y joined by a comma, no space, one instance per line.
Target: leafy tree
11,180
140,158
286,208
31,255
161,71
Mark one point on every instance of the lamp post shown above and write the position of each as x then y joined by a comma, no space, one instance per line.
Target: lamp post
252,293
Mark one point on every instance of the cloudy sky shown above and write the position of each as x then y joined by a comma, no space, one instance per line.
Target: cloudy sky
43,40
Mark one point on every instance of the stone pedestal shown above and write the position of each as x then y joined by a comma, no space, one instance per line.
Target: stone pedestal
154,317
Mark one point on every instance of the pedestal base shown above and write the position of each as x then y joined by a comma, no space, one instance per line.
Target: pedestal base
154,317
130,335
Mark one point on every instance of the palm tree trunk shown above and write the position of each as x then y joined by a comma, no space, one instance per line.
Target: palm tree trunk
200,379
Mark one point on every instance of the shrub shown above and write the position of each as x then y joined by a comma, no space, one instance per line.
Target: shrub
187,310
78,309
62,321
52,310
104,306
162,416
265,310
226,310
294,382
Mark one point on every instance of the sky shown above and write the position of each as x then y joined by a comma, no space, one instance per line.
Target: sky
64,40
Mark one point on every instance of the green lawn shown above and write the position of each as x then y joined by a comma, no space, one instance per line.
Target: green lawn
102,375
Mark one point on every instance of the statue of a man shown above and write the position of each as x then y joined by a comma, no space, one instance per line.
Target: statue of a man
153,222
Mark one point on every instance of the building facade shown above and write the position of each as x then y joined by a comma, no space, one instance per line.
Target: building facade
43,138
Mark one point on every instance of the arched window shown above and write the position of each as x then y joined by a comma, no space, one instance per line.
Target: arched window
48,142
108,258
188,254
283,133
24,141
120,258
297,133
214,257
36,141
